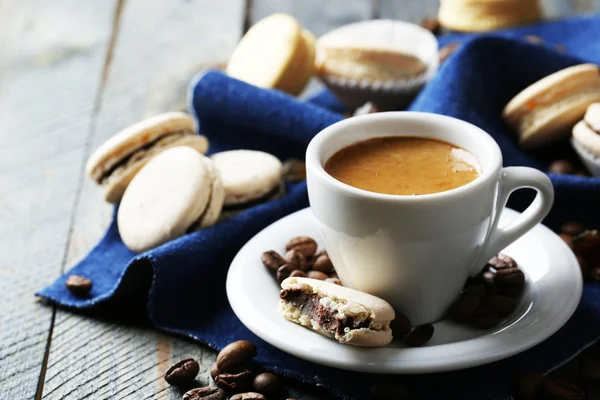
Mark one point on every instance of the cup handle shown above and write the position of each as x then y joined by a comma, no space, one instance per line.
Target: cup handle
513,178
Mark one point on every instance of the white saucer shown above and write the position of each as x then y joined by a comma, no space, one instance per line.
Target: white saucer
553,291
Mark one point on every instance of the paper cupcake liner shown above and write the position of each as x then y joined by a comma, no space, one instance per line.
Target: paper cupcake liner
387,35
590,160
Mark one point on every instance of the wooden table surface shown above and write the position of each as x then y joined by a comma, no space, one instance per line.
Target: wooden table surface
73,73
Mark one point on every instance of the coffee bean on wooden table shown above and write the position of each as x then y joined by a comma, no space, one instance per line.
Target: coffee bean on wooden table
419,336
447,50
432,25
284,272
317,275
568,239
294,170
248,396
502,261
272,260
182,372
235,355
298,274
323,264
561,167
304,244
400,325
268,384
388,391
528,386
296,259
561,390
204,393
235,382
572,228
465,306
78,285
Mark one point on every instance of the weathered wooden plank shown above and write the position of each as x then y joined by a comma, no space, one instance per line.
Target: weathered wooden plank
51,58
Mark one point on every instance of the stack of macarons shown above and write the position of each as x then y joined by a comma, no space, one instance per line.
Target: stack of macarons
586,139
167,187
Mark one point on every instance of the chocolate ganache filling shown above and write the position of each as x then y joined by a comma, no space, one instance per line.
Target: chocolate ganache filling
308,304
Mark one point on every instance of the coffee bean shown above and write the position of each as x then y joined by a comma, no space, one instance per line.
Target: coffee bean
465,306
400,325
587,245
509,276
296,259
561,390
572,228
204,393
305,245
248,396
214,371
182,372
589,370
502,261
561,48
298,274
568,239
561,167
323,264
78,285
432,25
533,39
235,382
268,384
284,272
272,260
484,318
317,275
478,289
528,386
335,281
501,305
419,336
583,265
293,170
446,51
388,391
235,355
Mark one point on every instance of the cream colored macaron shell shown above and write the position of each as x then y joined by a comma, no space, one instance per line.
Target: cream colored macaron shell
547,110
485,15
168,198
587,131
247,175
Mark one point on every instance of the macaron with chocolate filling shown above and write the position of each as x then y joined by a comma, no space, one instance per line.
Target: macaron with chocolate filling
114,164
177,192
586,139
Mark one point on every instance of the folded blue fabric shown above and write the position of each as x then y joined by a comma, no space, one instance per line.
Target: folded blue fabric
474,85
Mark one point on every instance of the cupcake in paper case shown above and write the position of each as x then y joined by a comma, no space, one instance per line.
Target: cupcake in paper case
384,62
586,139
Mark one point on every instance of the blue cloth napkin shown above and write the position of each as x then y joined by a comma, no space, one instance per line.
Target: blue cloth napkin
181,285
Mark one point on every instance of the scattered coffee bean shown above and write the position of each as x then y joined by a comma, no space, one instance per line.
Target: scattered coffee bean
305,245
268,384
447,50
78,285
296,259
561,390
294,170
510,276
568,239
476,288
572,228
587,245
484,318
528,386
388,391
182,372
235,382
583,265
323,264
214,371
432,25
561,48
561,167
400,325
335,281
533,39
502,261
465,306
419,336
284,272
248,396
589,370
235,355
503,306
272,260
317,275
204,393
298,274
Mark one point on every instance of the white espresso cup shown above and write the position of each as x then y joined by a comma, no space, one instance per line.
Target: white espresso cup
416,252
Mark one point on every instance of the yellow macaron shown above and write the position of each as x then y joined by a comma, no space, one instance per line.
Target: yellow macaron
486,15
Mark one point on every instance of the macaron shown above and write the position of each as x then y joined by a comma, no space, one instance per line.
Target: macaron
546,111
275,53
486,15
347,315
586,139
248,176
114,164
177,192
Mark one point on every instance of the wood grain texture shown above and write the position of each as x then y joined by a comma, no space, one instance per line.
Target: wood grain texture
50,66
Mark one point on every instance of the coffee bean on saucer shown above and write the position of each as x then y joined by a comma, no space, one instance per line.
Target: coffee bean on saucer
561,390
204,393
432,25
484,319
400,325
304,244
419,336
78,285
511,276
561,167
214,371
284,272
528,386
272,260
296,259
293,170
248,396
503,306
388,391
478,288
334,281
446,51
298,274
317,275
465,306
235,382
568,239
572,228
587,245
502,261
235,355
323,264
182,372
268,384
